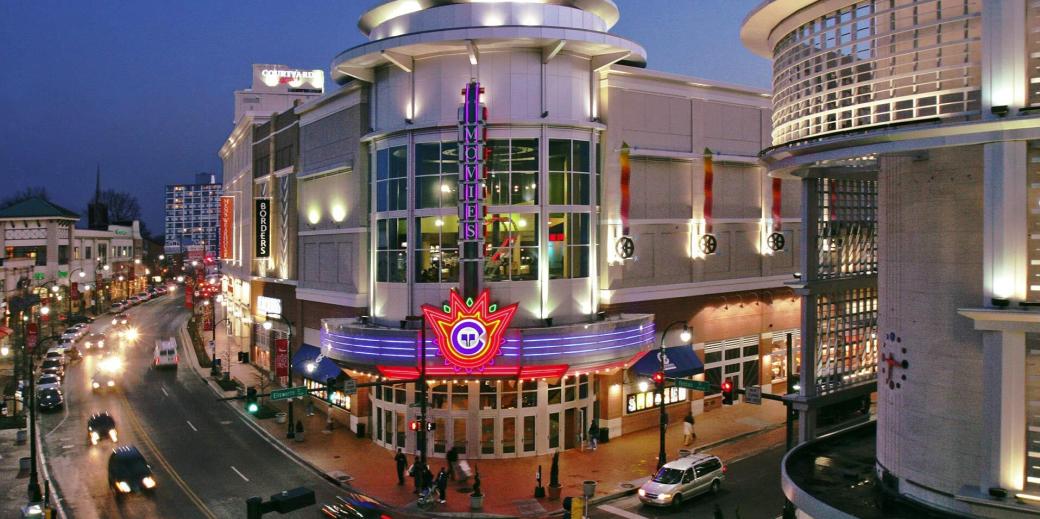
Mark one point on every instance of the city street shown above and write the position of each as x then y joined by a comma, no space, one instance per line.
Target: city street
207,461
752,490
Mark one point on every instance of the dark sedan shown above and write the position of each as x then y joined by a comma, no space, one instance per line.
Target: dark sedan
49,399
129,472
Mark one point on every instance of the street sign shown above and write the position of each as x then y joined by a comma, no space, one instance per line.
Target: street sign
289,392
698,385
63,273
349,387
39,276
753,395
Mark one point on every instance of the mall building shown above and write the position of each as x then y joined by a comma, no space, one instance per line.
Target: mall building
913,128
510,182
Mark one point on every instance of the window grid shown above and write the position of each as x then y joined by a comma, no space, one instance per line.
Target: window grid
846,228
1033,221
1032,392
437,253
846,338
876,62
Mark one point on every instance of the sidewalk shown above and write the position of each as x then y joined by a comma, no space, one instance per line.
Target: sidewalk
618,466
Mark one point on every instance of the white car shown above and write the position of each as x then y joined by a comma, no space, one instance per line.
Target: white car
55,354
683,479
48,381
64,346
165,354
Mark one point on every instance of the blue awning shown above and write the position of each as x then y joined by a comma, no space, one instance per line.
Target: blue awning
679,362
323,369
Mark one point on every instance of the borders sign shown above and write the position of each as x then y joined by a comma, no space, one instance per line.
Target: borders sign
262,221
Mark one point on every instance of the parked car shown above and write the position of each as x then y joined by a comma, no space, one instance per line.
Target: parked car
57,354
121,318
47,382
683,479
54,367
101,426
49,398
129,472
118,306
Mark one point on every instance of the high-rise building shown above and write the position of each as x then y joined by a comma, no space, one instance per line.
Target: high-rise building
913,128
192,216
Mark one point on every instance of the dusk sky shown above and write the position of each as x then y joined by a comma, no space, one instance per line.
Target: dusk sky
145,88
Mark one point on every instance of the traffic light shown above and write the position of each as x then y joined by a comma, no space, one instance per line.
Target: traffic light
658,378
727,392
251,406
413,425
430,426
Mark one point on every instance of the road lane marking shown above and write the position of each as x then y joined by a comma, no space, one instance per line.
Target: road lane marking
192,426
239,474
164,391
147,440
619,512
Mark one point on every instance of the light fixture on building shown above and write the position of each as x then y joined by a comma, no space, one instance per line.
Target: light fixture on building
82,274
999,110
267,325
310,366
643,386
685,335
44,310
1000,302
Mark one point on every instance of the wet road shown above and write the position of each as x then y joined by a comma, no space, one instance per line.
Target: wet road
207,460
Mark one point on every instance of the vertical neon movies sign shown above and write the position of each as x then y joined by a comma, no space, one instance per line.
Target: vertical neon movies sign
472,136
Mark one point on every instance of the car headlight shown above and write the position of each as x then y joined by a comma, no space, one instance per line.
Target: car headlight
94,437
664,497
96,385
123,486
642,493
111,383
148,482
112,434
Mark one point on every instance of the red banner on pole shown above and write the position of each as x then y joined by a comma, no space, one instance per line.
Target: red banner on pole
626,179
777,197
281,358
31,333
227,221
709,177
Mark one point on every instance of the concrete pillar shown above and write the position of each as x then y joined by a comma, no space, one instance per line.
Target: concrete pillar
1004,410
1004,77
1005,239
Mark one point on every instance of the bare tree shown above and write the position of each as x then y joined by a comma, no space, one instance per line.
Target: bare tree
263,381
25,194
122,206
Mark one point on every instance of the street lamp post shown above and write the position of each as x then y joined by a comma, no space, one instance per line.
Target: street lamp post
267,326
35,494
685,336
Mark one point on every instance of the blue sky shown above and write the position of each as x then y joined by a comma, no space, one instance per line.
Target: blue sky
145,88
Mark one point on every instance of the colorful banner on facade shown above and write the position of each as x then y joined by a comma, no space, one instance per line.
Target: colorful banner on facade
777,197
281,357
626,180
227,222
709,181
262,224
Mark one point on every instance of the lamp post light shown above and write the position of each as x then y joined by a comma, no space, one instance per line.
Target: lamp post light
288,337
685,336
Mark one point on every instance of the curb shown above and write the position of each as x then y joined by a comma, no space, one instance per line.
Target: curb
56,501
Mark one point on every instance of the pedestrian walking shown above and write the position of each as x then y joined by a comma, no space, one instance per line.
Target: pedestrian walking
442,485
453,459
401,463
687,430
416,474
593,435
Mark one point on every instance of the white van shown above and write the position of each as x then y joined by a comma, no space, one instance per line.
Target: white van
165,353
682,479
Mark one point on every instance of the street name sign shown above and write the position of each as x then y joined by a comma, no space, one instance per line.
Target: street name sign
753,395
349,387
698,385
289,392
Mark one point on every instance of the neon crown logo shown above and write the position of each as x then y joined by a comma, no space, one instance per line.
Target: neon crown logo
469,333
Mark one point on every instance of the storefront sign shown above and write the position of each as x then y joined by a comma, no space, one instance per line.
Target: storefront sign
281,357
472,137
469,333
649,399
227,221
268,305
294,78
262,223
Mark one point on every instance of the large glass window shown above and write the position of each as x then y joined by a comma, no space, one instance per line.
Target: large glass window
569,172
437,255
391,248
512,172
569,240
529,434
436,175
511,247
391,179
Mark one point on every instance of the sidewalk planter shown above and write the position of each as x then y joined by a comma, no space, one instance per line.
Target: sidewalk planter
554,492
281,417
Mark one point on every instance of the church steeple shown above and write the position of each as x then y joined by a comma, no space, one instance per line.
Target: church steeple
97,212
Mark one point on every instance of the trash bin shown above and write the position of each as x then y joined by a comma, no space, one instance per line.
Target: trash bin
604,435
281,417
360,430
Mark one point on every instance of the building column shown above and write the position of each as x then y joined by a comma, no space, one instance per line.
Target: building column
1005,233
1004,409
1004,57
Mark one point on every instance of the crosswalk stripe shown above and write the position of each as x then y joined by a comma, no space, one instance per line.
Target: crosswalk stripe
619,512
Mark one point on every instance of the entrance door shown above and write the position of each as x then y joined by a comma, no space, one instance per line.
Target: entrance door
571,429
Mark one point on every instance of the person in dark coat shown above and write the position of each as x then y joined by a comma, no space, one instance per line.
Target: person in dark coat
594,435
417,474
453,460
402,463
442,485
427,479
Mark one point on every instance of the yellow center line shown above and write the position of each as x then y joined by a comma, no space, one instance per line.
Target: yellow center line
136,424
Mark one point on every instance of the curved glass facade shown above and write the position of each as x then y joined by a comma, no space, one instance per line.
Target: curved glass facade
877,62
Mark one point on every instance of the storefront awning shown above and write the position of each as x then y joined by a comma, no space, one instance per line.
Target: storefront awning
680,361
323,370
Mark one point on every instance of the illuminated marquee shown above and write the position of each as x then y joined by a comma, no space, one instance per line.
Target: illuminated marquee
469,333
472,136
